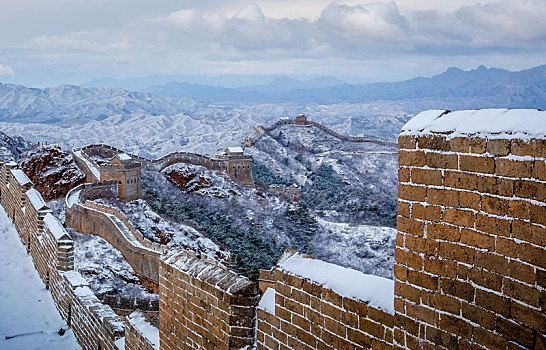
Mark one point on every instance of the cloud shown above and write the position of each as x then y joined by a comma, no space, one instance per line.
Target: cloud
6,70
375,31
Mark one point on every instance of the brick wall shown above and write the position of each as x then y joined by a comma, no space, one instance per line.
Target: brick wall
307,315
99,220
203,305
51,249
470,252
139,334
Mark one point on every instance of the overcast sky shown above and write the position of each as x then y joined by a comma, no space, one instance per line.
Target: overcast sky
71,41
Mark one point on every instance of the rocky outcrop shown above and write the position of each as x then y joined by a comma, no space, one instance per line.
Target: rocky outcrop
187,181
52,170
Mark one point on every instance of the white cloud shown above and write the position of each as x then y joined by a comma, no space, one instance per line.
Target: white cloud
6,70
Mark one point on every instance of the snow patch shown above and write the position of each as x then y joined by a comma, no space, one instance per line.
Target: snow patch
267,302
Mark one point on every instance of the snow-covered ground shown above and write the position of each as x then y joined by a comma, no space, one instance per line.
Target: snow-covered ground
28,316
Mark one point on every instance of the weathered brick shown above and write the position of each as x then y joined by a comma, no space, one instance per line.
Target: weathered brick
485,279
433,142
421,245
493,302
511,330
409,259
465,181
423,280
493,225
412,193
411,158
498,147
519,209
528,317
525,148
443,232
410,226
489,339
444,268
464,218
457,253
492,262
477,239
494,185
359,338
407,292
429,212
424,314
539,170
519,291
494,205
442,160
458,289
484,318
533,255
459,144
537,213
469,200
513,168
477,145
407,141
426,176
404,209
448,198
477,164
456,326
530,189
441,338
403,174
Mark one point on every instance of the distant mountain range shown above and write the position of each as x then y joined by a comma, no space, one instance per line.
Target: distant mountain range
487,87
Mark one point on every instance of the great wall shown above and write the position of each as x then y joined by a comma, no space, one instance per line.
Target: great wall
470,269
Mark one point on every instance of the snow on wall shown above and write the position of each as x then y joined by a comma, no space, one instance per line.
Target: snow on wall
505,123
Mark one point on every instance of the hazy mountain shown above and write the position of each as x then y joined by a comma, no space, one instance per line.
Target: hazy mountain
485,87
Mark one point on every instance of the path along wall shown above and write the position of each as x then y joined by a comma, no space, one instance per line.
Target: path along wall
51,249
110,224
319,305
203,305
470,252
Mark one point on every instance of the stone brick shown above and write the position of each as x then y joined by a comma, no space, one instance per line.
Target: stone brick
498,147
359,338
492,262
459,144
539,170
460,217
355,306
494,185
494,205
485,279
493,225
513,168
477,239
408,259
477,164
477,145
424,314
435,266
469,200
407,291
444,303
448,198
484,318
411,158
519,291
530,190
461,180
493,302
407,141
433,142
457,253
412,193
404,175
423,280
404,209
442,160
462,290
426,176
528,317
421,245
511,330
441,338
410,226
523,148
519,209
532,255
443,232
456,326
430,212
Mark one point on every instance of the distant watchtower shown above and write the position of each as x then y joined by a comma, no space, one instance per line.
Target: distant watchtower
239,166
126,171
301,119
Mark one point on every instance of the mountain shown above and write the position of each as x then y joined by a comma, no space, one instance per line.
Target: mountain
69,104
482,88
12,147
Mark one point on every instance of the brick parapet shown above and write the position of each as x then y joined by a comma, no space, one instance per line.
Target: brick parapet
204,305
470,252
139,334
310,316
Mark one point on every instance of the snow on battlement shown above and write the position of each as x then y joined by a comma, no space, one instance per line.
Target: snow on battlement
491,123
376,291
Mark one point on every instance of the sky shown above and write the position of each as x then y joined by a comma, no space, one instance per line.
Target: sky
46,43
